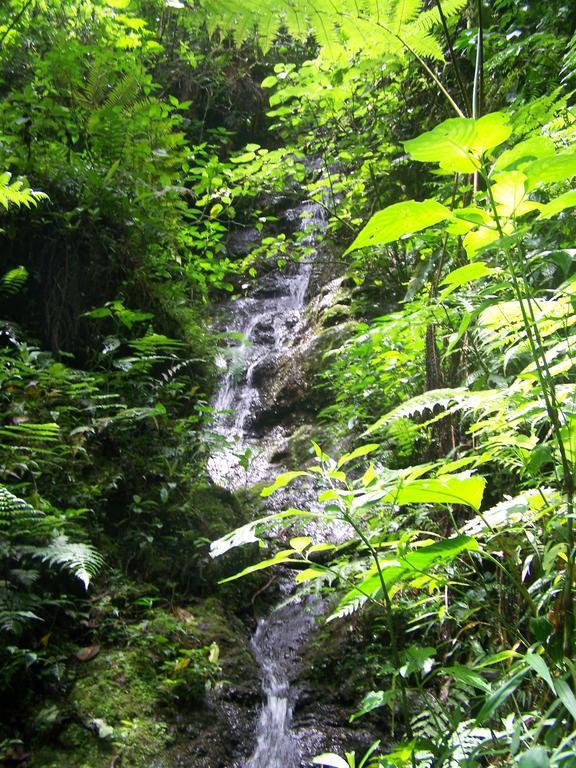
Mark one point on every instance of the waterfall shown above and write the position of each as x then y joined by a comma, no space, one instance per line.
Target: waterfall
266,324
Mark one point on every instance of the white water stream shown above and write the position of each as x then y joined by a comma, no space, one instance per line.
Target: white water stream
266,324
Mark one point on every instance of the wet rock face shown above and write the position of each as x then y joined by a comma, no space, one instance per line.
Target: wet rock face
288,391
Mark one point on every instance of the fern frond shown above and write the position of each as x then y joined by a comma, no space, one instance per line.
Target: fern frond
124,94
14,622
12,281
97,80
44,433
569,61
81,560
429,19
15,193
378,26
516,510
15,512
419,405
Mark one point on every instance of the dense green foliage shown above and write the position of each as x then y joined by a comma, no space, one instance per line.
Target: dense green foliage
135,135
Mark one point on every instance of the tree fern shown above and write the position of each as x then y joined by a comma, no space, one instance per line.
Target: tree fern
384,25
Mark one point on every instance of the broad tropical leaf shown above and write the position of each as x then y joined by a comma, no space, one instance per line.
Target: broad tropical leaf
399,220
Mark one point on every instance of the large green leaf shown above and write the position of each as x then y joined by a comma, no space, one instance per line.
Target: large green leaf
509,192
525,152
446,489
373,700
404,568
549,170
282,481
399,220
558,204
459,143
285,556
362,450
536,757
466,274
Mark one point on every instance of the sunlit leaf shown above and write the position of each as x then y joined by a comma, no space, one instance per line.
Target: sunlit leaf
550,169
468,274
404,568
362,450
285,556
399,220
282,481
558,204
525,152
299,543
446,489
459,143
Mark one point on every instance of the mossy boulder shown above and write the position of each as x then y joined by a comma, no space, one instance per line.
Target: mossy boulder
179,675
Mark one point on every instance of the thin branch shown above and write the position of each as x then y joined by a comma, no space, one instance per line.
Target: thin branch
15,21
465,99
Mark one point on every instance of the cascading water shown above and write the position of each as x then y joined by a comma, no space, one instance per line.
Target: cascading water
267,323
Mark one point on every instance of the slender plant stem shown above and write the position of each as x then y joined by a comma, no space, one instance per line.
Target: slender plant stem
425,66
15,21
389,618
478,69
458,73
546,383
